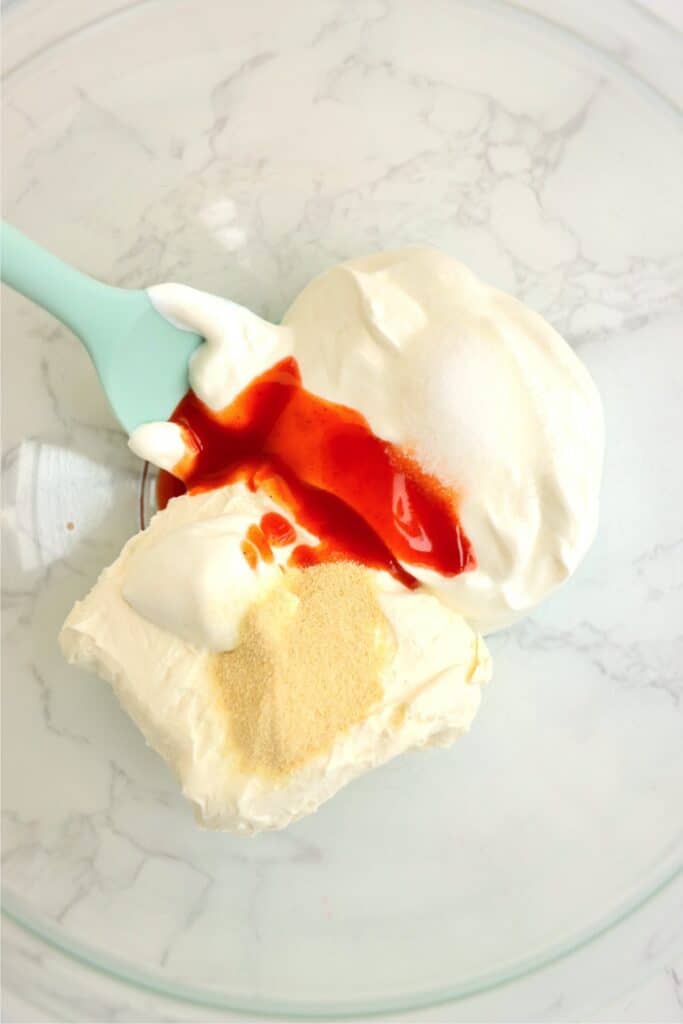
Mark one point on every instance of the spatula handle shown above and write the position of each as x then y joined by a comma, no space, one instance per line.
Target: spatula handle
87,307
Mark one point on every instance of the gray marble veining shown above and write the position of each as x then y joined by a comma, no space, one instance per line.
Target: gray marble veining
217,154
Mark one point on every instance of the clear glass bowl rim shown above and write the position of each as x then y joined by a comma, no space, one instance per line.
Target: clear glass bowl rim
121,971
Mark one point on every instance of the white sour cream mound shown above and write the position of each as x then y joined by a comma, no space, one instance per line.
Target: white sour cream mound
155,650
487,394
193,580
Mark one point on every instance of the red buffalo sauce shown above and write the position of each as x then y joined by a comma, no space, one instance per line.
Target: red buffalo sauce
366,500
278,531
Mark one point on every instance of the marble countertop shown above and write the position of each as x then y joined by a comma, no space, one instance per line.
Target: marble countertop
634,974
635,971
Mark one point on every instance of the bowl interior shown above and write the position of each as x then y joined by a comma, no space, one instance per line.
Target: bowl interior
189,142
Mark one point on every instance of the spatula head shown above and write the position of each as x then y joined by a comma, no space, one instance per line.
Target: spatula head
142,360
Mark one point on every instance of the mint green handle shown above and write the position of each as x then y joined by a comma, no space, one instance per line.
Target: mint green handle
88,307
140,357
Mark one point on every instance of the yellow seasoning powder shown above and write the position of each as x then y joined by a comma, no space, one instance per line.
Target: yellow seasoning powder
307,667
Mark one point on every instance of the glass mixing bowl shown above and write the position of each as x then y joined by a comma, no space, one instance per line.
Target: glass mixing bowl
242,150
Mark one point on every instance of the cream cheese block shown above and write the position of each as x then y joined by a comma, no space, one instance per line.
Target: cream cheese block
160,656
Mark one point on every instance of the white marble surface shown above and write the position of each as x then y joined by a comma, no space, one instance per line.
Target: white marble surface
556,175
634,975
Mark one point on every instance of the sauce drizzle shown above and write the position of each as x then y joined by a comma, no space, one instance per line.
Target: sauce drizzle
367,500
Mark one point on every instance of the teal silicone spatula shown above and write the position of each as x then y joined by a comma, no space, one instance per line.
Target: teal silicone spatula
140,357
